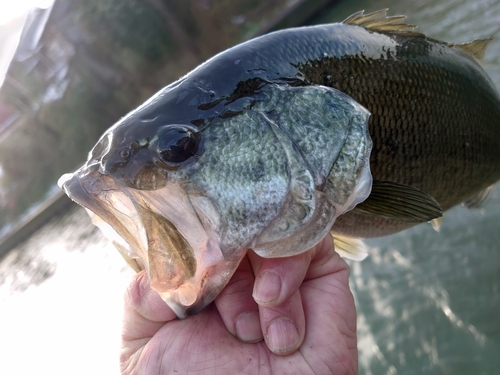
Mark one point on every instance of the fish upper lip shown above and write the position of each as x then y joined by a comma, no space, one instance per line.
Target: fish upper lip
76,185
72,185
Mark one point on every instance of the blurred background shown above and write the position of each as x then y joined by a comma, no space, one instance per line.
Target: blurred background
428,303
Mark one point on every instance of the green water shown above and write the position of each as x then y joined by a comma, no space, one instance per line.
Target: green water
428,303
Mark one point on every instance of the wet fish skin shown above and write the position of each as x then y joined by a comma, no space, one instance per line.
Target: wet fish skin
434,127
415,87
434,122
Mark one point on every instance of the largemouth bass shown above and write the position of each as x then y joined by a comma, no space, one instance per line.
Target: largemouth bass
363,128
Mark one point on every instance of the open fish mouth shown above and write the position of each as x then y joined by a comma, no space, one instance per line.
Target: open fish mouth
161,231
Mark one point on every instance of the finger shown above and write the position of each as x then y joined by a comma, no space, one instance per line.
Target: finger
237,308
277,279
327,262
328,281
330,312
145,312
276,291
284,325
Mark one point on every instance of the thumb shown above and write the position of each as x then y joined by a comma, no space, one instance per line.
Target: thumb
145,312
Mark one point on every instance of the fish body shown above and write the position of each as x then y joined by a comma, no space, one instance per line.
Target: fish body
363,127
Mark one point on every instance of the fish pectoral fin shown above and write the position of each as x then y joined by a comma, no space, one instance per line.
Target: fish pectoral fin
476,48
349,248
477,199
379,22
394,201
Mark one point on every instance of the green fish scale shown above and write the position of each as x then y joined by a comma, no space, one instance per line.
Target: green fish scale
427,120
243,166
341,179
314,122
435,113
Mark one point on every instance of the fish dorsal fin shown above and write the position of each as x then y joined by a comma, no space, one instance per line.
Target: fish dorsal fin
477,199
476,48
394,201
349,248
379,22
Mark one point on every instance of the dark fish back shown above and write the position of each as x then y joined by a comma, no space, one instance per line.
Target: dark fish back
435,120
435,114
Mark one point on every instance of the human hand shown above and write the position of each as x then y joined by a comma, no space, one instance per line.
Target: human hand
295,316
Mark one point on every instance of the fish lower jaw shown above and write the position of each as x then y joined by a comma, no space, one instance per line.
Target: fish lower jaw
180,299
211,277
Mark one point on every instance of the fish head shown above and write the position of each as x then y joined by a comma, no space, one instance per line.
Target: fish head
135,187
188,198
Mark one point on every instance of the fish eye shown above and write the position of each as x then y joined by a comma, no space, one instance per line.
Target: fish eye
177,145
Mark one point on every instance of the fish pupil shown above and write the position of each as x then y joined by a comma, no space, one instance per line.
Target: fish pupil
178,145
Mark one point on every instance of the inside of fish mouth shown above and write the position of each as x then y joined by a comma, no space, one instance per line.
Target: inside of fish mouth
171,258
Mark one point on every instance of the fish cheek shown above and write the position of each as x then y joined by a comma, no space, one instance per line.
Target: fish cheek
150,177
140,172
170,257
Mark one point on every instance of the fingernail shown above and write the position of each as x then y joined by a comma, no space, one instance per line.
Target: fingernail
268,287
247,327
282,336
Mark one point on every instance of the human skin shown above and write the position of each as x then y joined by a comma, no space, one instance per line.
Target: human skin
291,315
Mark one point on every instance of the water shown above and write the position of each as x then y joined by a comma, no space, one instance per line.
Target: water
427,302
